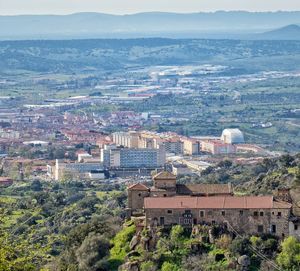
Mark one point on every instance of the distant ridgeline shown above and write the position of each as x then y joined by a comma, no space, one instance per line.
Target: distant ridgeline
219,24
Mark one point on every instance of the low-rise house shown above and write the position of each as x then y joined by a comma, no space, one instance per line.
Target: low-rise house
5,182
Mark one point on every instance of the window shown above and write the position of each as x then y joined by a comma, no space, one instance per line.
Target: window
140,194
273,229
162,221
255,213
201,213
165,195
295,227
169,211
261,213
260,228
187,211
213,222
187,221
241,212
223,213
279,214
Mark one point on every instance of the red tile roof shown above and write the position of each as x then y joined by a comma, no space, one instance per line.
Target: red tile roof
206,189
164,175
138,186
5,179
218,202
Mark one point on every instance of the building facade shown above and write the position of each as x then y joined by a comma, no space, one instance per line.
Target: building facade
116,157
217,147
129,140
232,136
191,146
165,185
251,215
76,170
168,203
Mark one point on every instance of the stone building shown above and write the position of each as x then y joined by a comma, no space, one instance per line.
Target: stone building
164,185
251,215
167,203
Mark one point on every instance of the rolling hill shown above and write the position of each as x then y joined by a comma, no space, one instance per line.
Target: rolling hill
290,32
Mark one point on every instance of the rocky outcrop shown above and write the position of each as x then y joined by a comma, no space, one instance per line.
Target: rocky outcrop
134,241
244,262
129,266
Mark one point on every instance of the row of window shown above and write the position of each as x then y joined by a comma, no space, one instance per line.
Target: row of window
223,213
188,221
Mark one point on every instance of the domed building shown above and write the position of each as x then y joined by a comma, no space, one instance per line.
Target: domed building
232,136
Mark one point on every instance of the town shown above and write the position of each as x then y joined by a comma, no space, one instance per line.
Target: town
151,151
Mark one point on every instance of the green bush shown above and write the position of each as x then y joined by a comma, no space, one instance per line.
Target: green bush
120,245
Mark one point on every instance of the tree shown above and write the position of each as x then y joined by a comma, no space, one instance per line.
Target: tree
207,171
240,246
286,160
225,164
148,266
93,252
298,175
36,186
169,267
289,258
67,176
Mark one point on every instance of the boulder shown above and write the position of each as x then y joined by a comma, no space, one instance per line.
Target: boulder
145,242
129,266
134,242
211,236
244,262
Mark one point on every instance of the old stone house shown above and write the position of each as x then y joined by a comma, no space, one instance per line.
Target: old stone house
164,185
167,203
251,215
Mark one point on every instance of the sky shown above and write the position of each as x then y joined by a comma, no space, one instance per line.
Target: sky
16,7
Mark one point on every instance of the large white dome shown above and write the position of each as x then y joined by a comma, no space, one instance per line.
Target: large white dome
232,136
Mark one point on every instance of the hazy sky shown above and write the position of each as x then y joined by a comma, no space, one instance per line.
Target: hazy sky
9,7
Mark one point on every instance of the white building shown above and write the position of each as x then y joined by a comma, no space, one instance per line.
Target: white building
116,157
232,136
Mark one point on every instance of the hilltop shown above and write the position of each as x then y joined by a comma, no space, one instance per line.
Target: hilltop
289,32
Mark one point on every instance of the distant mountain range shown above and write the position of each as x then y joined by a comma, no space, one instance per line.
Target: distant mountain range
290,32
221,24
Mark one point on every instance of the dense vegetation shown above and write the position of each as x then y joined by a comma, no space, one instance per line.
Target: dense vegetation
182,250
72,55
62,226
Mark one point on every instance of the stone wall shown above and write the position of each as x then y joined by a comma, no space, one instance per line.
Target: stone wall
136,199
243,221
164,193
165,184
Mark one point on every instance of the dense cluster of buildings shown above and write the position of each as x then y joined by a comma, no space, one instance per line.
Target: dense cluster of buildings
174,143
145,150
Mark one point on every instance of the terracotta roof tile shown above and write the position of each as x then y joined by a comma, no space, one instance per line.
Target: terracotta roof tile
138,186
206,189
164,175
217,202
